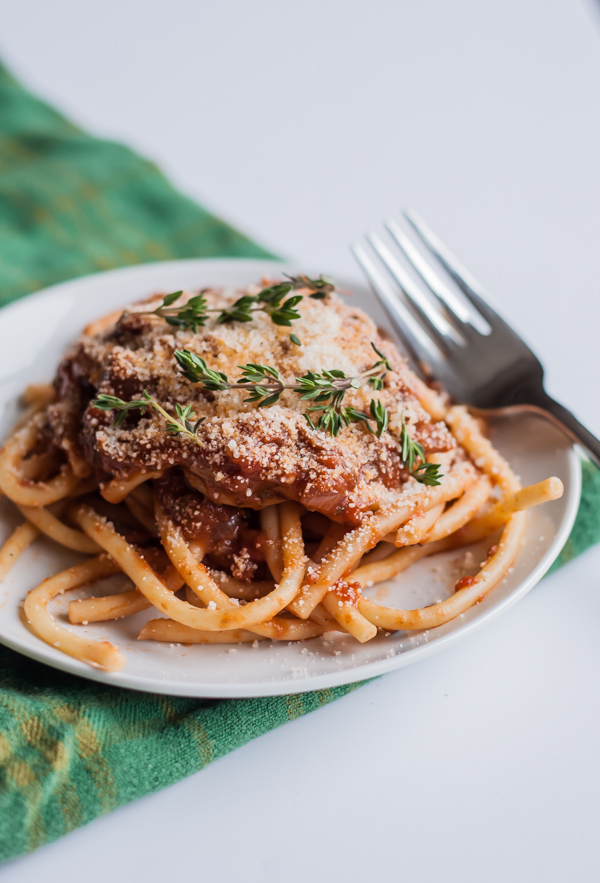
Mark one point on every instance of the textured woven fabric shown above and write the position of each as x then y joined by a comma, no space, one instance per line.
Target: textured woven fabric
72,750
71,204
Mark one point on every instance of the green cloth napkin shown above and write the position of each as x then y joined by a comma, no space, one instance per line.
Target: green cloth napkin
72,750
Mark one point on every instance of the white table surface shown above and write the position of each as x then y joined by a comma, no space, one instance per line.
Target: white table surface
304,124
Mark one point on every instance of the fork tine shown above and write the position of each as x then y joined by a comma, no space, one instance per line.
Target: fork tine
419,345
433,280
472,290
433,319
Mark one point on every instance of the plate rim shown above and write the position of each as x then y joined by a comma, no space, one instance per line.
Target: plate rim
328,680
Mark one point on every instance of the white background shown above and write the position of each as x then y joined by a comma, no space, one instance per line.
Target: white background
306,124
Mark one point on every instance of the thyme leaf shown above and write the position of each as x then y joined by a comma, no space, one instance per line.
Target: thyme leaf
184,423
272,300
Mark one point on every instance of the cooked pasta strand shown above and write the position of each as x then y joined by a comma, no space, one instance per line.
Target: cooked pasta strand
461,511
84,610
349,617
526,498
467,431
102,654
233,588
150,585
102,324
269,522
122,604
22,490
19,540
379,571
200,582
418,526
354,544
119,488
429,617
38,394
49,524
172,632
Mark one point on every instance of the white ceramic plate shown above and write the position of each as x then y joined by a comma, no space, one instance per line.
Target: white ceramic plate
35,332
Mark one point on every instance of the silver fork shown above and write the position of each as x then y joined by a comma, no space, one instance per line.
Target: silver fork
461,341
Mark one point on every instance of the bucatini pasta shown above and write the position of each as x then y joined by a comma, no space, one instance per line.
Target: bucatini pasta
253,462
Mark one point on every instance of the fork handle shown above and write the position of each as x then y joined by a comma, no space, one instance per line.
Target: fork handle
569,424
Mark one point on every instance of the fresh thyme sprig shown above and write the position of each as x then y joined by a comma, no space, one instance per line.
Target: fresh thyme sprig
427,473
377,381
272,300
319,288
412,451
192,315
269,300
183,424
326,389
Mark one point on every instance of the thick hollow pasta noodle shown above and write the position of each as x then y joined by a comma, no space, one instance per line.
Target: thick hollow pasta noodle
197,577
354,544
319,596
22,537
132,563
418,526
98,653
175,633
493,569
437,614
48,524
313,575
23,490
328,592
269,522
119,488
484,525
106,607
